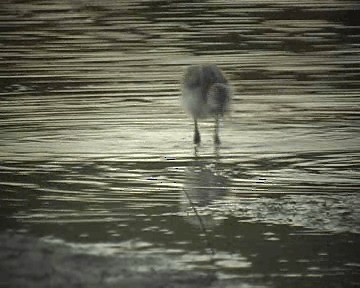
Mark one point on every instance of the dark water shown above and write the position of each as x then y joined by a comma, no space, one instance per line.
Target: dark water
96,151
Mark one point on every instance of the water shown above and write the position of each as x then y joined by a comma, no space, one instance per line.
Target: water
96,151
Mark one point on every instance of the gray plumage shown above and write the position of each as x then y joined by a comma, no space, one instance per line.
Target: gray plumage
205,93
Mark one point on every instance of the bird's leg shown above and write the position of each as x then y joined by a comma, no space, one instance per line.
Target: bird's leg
216,132
196,133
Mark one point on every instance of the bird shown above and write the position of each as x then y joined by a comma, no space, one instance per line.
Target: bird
206,92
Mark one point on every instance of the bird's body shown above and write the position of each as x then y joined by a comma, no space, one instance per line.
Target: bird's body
205,93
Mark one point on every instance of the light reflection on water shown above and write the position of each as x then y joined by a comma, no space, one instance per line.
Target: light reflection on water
95,148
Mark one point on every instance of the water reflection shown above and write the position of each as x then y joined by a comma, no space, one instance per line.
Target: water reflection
204,184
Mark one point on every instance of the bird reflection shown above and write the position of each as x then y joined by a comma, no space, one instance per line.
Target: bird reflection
205,183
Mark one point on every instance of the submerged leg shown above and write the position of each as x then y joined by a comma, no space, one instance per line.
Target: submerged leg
216,132
196,133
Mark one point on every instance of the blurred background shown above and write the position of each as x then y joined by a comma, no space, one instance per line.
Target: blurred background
96,151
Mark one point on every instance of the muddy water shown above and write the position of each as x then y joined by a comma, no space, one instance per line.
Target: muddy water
96,151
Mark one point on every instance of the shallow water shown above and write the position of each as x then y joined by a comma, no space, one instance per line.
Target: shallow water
96,151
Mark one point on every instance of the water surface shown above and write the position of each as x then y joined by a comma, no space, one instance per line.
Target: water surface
96,150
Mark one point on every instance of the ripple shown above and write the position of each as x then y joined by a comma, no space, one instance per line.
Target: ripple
95,149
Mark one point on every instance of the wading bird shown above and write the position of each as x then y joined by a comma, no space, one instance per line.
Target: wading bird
205,93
